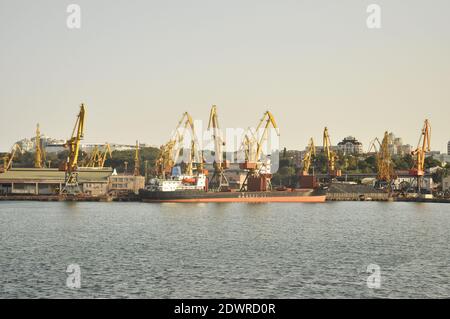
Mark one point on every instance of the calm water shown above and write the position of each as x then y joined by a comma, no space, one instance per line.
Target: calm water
134,250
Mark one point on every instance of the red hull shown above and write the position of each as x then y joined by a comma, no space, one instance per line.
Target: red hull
287,199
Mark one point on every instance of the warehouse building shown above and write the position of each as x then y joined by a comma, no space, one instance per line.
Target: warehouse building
31,181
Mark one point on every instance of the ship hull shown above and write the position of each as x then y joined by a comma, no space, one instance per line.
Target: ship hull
301,196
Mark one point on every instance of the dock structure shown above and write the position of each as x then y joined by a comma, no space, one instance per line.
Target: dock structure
352,192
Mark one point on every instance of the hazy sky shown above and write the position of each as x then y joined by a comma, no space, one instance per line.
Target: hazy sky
139,64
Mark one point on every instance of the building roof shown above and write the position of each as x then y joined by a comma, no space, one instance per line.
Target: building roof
53,175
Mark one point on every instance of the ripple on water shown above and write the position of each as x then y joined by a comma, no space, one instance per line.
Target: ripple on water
133,250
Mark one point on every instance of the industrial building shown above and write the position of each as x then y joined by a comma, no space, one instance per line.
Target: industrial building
122,184
47,181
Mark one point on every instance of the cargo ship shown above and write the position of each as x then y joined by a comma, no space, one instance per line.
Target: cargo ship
188,189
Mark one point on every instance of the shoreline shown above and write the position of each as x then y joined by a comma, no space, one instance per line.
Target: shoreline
329,198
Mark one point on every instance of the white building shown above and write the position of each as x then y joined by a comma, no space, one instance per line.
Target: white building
350,145
446,183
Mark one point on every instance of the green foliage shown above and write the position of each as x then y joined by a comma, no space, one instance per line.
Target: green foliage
320,163
404,162
431,162
120,157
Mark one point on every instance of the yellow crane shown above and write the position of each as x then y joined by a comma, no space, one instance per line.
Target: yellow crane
255,179
73,144
39,156
248,146
104,156
137,161
98,157
92,159
331,155
8,159
423,147
385,166
170,152
218,181
307,158
164,161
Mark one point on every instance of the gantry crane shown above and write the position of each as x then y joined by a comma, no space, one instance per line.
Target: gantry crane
385,167
92,159
307,158
8,159
218,181
331,156
98,157
258,174
423,147
73,144
170,152
248,146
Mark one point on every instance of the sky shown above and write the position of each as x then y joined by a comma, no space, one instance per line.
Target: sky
139,64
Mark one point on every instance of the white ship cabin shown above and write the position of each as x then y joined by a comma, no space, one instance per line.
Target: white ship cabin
178,182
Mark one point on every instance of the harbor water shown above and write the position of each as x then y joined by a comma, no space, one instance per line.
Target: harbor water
230,250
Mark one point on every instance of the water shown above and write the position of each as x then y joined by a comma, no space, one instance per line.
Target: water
135,250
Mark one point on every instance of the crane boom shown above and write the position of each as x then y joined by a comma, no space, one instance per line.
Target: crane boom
8,159
170,152
423,147
307,159
218,181
254,164
373,145
330,154
384,163
38,156
73,144
270,121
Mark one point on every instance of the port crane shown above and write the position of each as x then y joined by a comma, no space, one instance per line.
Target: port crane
73,144
195,156
164,162
374,146
385,167
8,159
258,174
331,155
170,152
218,181
39,155
137,161
423,147
98,157
308,157
247,148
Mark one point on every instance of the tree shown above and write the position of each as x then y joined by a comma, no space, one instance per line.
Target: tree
431,162
404,162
